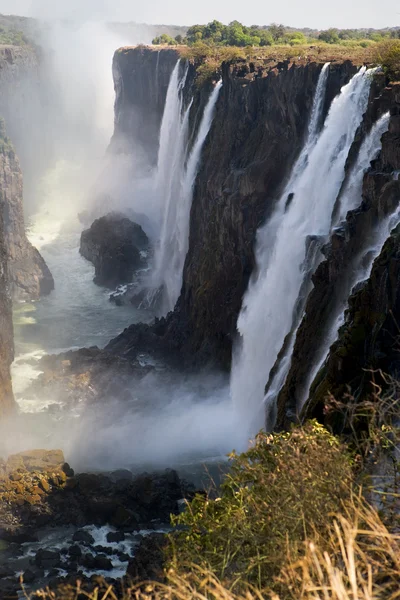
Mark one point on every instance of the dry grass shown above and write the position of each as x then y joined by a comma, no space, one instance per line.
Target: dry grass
362,563
300,54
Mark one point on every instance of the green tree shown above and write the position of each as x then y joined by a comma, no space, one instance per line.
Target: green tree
277,31
330,36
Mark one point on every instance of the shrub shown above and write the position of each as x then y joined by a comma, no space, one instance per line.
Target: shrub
387,54
274,496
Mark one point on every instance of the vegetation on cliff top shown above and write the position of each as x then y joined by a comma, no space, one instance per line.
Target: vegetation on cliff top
237,34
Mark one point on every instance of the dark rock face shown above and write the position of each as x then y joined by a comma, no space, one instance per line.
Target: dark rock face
258,130
29,275
141,78
113,244
7,403
367,339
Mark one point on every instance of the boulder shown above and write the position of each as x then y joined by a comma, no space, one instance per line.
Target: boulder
113,244
83,536
115,536
148,562
47,559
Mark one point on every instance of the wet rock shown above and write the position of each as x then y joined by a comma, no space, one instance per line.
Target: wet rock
88,562
103,550
47,559
9,588
113,244
29,576
83,536
148,561
5,571
103,563
115,536
75,551
123,557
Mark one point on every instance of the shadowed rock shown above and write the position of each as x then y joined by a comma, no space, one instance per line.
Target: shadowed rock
114,244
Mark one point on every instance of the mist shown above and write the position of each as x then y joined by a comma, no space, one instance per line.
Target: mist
161,423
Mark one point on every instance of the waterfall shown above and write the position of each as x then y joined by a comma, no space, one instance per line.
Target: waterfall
362,264
369,150
268,306
171,158
174,241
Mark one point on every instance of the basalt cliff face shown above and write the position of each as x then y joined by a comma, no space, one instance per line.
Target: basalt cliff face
258,130
23,273
29,276
7,404
141,78
367,343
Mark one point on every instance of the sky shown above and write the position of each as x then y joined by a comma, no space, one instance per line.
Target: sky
318,14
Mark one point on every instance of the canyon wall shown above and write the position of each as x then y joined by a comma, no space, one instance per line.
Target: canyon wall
23,273
29,276
368,341
7,404
258,130
141,78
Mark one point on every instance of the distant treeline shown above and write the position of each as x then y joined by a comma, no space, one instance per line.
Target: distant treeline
236,34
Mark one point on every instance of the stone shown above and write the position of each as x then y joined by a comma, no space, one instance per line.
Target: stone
47,559
28,576
122,517
103,563
75,551
113,244
148,561
67,470
83,536
115,536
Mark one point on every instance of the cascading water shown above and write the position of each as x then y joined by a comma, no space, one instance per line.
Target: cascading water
369,150
173,246
266,235
267,311
349,199
363,262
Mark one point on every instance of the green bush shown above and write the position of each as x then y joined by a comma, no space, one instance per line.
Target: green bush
388,56
275,495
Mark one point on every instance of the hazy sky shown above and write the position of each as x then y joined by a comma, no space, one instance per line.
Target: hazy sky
311,13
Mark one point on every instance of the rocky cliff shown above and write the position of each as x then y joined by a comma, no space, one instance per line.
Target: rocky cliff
29,276
258,130
368,341
141,78
7,404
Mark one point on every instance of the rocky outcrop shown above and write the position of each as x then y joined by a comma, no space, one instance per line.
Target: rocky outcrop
258,130
39,490
29,276
367,341
114,244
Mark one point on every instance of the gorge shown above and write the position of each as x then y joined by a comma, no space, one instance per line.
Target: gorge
247,213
